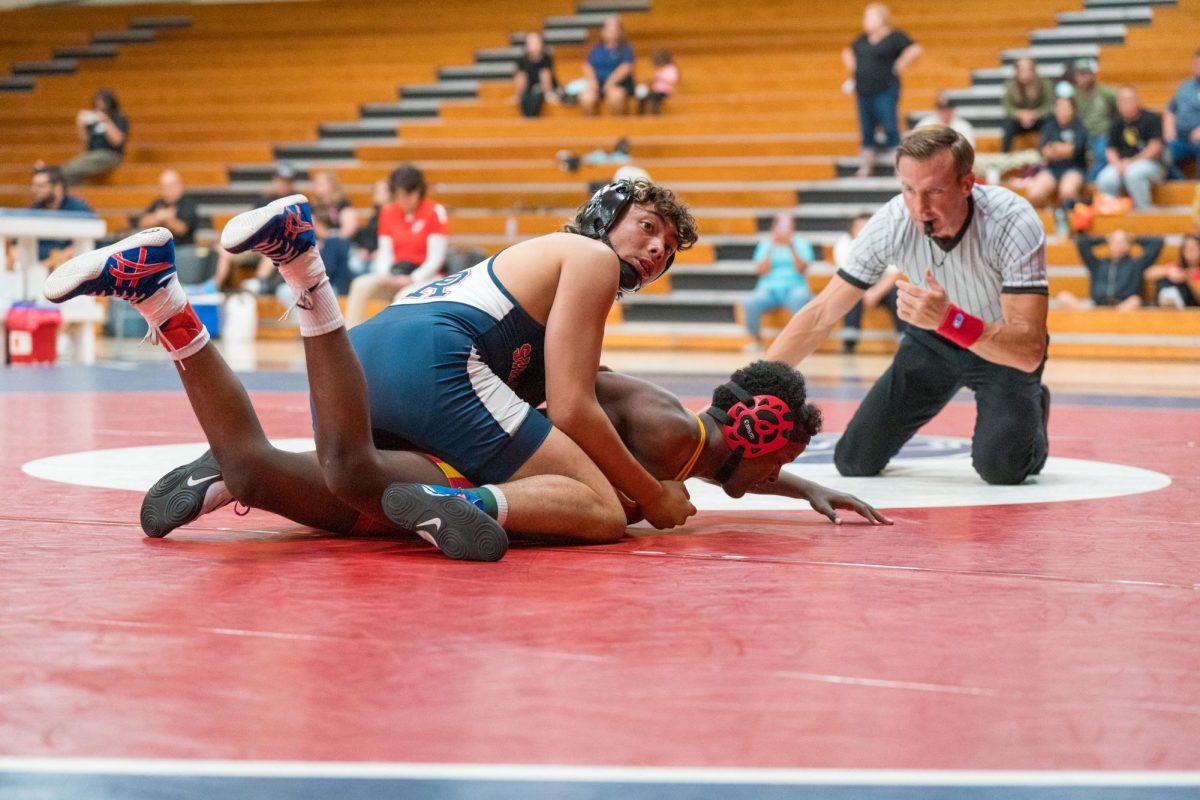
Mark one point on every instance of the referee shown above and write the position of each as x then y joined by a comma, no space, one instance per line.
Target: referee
975,300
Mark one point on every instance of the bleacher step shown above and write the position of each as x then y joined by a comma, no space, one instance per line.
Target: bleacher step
442,90
613,6
554,36
133,36
53,66
90,51
316,151
1089,4
1136,15
1079,35
1051,53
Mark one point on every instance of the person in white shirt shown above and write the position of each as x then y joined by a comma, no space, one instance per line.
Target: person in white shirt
975,300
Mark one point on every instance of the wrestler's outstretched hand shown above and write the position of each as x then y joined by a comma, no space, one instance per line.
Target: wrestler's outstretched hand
824,500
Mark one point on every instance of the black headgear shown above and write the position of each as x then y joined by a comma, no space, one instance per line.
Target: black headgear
598,217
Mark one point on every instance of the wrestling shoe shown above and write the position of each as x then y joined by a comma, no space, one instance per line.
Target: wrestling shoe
134,268
446,520
281,230
182,495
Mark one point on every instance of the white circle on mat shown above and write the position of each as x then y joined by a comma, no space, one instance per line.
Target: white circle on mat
930,472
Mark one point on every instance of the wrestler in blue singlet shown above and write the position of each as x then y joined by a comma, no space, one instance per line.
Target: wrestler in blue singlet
455,369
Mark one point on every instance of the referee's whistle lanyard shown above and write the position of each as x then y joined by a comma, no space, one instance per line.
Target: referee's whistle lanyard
937,244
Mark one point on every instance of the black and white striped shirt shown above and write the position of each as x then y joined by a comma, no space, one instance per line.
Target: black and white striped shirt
1003,250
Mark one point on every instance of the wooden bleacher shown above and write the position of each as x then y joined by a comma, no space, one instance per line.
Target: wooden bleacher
759,115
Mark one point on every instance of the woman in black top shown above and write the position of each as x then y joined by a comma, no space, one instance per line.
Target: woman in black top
875,61
534,79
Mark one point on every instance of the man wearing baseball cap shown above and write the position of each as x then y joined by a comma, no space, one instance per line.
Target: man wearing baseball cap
1095,107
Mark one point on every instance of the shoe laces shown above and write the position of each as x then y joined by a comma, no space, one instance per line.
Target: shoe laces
303,299
154,337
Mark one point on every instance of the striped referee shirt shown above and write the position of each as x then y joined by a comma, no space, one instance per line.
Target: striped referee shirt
1003,250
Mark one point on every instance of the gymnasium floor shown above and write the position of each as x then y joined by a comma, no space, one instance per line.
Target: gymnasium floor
1040,641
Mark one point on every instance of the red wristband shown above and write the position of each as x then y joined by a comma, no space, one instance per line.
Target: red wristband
960,327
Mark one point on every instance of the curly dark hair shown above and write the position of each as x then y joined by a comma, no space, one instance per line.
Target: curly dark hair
663,201
778,379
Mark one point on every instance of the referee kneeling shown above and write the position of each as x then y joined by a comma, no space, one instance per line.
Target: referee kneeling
975,302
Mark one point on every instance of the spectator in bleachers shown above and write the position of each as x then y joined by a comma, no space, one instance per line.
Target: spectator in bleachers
1096,107
366,240
171,210
50,194
265,277
1135,151
944,114
534,81
283,184
335,223
330,206
781,261
882,293
1117,279
412,243
1181,120
103,131
1064,148
662,83
875,60
1178,284
608,71
1028,101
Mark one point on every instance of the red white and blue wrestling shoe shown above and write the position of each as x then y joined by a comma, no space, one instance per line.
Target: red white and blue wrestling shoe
280,230
445,519
134,268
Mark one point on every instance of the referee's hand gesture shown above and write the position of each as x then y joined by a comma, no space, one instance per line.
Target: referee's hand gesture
921,307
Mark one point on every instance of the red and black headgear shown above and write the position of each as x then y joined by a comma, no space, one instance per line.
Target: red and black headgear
754,426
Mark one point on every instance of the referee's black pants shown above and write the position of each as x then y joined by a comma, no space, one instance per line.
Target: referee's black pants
1009,443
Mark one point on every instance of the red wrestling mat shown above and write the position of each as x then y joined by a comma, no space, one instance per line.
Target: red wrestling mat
1033,636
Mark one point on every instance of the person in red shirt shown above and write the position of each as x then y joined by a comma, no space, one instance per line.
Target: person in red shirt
412,244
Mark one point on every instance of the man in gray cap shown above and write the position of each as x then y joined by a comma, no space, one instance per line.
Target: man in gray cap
1095,107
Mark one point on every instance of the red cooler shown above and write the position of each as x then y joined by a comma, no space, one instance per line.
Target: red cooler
32,334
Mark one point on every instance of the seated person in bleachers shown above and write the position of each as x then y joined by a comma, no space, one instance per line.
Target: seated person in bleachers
1028,101
1181,120
335,223
1117,279
103,131
329,203
366,240
608,71
1064,147
50,194
662,84
265,276
883,293
780,260
944,114
1177,285
533,81
1135,151
412,244
171,210
1096,107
